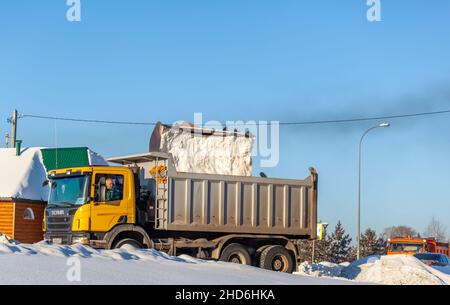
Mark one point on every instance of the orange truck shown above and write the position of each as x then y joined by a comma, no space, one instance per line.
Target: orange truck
411,246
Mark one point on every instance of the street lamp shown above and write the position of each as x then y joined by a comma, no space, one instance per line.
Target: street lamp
358,237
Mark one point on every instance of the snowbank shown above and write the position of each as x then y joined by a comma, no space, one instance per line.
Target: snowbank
395,270
7,240
48,264
220,153
324,269
445,269
388,270
22,176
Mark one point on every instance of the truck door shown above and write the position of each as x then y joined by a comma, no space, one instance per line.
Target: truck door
110,203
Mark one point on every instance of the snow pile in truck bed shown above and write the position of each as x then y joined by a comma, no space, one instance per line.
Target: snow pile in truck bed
209,154
22,176
388,270
48,264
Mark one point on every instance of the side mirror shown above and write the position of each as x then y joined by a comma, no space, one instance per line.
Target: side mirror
45,183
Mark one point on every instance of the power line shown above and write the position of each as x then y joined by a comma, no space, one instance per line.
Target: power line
398,116
84,120
349,120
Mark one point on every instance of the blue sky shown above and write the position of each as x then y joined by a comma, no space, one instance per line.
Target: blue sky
249,60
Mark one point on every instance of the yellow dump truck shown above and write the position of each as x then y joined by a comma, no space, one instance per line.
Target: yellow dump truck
145,203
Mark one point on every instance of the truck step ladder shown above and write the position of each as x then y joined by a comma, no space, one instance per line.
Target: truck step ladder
161,198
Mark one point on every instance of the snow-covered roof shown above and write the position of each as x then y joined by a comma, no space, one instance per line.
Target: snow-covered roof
22,176
96,159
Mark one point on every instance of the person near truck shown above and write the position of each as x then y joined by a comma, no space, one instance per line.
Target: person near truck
113,192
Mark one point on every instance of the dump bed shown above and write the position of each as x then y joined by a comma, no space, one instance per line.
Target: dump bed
228,204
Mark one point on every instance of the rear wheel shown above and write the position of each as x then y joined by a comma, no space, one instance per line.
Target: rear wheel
236,253
276,258
258,253
127,242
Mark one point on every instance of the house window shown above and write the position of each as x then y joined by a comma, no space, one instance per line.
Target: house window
28,214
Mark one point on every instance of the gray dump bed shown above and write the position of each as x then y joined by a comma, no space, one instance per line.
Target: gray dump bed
228,204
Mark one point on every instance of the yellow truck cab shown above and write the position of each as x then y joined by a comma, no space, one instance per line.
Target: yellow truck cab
78,196
146,203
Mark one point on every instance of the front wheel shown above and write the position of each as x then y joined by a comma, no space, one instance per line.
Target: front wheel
277,258
127,242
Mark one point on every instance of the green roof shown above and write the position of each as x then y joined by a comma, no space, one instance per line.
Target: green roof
57,158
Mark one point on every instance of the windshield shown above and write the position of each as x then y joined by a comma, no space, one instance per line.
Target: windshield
69,191
405,247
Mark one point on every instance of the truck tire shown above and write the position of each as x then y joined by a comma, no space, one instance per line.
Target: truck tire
127,242
236,253
277,258
258,253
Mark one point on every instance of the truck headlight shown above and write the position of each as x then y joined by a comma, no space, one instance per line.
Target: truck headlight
83,240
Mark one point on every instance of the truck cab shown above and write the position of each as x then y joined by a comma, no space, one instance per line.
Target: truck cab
411,246
78,195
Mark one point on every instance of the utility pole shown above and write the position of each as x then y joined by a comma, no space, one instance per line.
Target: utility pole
7,140
14,128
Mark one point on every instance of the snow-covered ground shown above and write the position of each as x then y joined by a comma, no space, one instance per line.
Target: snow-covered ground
55,264
389,270
50,264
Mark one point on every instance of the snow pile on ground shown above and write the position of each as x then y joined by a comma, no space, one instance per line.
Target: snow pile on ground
22,176
4,239
53,264
443,269
388,270
220,153
324,269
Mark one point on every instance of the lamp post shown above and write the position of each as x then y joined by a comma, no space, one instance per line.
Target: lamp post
358,237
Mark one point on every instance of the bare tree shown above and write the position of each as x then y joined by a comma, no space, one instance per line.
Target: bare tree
436,229
400,231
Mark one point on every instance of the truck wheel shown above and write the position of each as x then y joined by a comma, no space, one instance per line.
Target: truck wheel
257,255
276,258
236,253
127,242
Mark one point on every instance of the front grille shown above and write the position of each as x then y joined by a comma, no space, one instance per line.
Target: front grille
58,219
60,226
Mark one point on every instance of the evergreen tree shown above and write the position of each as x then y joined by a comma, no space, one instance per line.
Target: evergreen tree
371,244
321,250
305,250
339,245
